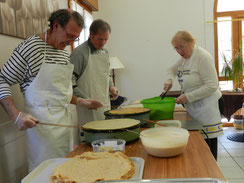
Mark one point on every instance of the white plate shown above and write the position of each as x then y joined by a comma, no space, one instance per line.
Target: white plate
42,173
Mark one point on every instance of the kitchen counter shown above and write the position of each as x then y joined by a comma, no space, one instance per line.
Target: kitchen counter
232,101
197,160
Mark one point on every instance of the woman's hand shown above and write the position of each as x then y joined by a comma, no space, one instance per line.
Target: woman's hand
167,86
181,99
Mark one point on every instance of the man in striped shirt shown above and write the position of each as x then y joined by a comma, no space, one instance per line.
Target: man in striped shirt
41,66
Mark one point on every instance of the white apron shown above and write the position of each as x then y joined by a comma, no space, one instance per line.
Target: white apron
47,99
205,110
95,84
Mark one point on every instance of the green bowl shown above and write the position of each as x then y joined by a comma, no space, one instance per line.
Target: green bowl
160,109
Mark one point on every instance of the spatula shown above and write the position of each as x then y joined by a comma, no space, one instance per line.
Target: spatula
163,94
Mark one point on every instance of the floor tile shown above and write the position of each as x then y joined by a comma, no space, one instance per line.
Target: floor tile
226,162
220,146
232,144
223,153
236,152
240,161
231,156
227,132
232,172
223,139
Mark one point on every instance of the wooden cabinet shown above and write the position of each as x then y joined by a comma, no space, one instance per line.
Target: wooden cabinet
90,4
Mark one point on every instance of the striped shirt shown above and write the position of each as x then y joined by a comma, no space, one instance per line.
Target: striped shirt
25,62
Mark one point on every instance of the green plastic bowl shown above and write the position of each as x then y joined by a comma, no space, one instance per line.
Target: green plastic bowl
160,109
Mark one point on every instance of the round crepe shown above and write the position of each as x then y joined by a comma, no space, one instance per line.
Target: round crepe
111,124
129,110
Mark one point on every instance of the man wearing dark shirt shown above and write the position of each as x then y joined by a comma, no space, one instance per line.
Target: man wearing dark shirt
91,71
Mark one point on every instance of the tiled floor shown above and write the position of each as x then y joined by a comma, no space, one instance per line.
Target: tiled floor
231,157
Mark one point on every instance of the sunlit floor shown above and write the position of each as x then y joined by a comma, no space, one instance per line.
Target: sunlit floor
231,156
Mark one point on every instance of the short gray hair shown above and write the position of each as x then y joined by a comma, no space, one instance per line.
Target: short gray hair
99,24
62,16
184,35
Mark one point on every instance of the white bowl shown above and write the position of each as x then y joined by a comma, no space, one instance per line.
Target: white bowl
164,141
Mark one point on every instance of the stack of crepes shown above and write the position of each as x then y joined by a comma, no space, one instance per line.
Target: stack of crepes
90,167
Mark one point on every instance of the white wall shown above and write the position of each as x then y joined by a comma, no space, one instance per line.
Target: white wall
141,36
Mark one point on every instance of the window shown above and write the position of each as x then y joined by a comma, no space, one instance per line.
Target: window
229,33
84,35
227,5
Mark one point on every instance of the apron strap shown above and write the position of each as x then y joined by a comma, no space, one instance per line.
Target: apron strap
44,57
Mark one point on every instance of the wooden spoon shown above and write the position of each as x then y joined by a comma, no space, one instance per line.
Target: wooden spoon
150,121
59,125
134,132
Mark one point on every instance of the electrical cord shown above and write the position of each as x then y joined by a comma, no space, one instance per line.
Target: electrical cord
206,136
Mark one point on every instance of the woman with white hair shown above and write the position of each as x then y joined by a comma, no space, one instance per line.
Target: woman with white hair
199,86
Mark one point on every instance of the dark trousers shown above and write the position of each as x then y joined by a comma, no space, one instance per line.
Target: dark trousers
221,106
213,145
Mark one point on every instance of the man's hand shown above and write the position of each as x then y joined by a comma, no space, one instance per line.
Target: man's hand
21,120
114,92
89,103
24,121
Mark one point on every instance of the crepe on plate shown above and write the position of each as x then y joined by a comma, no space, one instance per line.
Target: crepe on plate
90,167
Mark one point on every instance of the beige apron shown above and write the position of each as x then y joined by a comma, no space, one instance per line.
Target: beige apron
47,99
95,84
205,110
